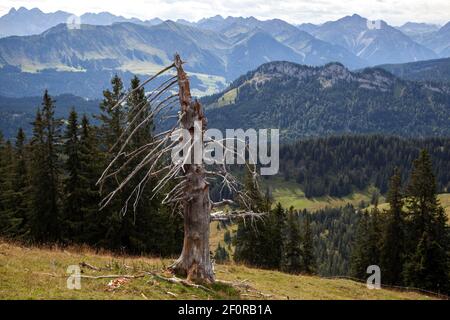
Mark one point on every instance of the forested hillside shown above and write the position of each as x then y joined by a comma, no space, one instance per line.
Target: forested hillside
437,70
314,101
337,166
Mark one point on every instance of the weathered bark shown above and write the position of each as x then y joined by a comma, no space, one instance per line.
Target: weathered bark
194,262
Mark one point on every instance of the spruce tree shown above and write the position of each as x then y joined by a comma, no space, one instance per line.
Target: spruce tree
308,258
366,251
292,252
112,122
89,171
73,216
9,222
21,183
392,250
45,171
427,261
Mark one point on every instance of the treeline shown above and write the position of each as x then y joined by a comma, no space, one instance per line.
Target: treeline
48,183
337,166
278,241
411,240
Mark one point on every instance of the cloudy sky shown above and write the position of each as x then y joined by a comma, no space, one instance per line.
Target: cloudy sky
395,12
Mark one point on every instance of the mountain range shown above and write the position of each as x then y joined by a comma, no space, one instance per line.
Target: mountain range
24,22
320,101
330,100
217,50
437,70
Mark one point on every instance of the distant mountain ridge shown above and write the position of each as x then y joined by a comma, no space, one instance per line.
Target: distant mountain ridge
437,70
375,42
217,50
307,101
24,22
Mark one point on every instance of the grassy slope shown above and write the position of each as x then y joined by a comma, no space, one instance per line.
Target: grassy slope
444,199
290,194
32,273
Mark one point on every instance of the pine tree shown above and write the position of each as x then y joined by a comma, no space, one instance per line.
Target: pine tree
292,246
112,122
45,170
21,184
427,261
366,251
73,216
392,251
89,171
18,189
9,223
308,258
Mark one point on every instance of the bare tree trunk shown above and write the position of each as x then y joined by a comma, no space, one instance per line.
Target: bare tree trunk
194,262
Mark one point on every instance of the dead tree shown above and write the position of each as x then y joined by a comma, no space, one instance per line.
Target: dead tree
190,195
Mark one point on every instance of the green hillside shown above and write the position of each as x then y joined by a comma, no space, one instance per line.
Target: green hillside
437,70
305,101
33,273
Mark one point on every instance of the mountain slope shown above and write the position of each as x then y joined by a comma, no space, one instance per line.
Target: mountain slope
440,41
378,43
25,22
437,70
311,50
418,31
33,273
313,101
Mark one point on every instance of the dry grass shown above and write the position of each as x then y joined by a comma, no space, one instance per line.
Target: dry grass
40,273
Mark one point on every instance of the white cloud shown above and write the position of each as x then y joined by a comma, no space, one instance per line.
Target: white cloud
394,12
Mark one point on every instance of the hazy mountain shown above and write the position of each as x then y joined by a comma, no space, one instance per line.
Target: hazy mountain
418,31
104,18
25,22
142,49
315,101
378,43
440,41
431,70
309,49
308,27
216,49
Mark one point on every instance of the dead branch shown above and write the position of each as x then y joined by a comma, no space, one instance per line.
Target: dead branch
176,280
222,203
89,266
229,216
126,276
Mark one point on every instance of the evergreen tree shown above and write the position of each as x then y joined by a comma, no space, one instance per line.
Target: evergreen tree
392,251
112,122
292,249
366,251
89,171
45,172
308,258
427,261
73,218
21,184
9,223
18,188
